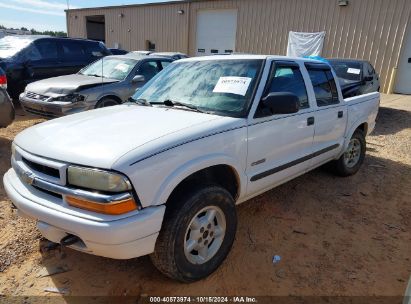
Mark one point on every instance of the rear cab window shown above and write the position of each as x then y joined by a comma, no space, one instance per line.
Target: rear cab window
325,88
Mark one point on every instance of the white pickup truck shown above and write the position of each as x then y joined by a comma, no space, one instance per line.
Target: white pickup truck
162,174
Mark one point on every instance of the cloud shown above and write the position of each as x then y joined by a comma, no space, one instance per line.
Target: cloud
33,10
43,4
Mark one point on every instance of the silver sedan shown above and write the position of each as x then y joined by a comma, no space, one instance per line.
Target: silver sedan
106,82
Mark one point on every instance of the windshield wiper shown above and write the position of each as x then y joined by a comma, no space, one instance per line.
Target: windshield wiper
171,103
140,101
94,75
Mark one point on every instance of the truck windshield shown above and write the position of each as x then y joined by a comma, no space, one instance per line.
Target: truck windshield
224,87
11,45
114,68
347,70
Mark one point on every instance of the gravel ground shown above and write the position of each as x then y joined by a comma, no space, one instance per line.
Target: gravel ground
335,236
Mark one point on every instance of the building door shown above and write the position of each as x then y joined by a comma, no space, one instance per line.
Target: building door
96,28
403,85
216,31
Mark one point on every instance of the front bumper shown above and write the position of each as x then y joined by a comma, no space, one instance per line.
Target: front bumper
122,238
52,109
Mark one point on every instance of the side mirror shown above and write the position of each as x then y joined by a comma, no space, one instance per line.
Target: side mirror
138,78
281,103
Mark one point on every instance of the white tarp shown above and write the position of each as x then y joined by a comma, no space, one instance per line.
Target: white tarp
305,44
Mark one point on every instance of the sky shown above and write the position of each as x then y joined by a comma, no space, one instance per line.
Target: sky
48,15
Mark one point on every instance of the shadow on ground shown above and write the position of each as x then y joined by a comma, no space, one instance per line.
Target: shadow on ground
391,121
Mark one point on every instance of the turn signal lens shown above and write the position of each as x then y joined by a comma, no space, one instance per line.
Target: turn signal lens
114,208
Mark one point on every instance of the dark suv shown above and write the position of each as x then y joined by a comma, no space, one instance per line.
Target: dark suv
29,58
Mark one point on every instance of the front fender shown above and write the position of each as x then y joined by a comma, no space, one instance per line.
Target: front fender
193,166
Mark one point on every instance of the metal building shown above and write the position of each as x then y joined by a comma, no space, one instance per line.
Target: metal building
376,30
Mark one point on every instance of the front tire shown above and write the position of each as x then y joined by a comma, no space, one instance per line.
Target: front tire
197,234
106,102
350,162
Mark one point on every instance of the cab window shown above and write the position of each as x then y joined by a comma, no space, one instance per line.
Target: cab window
325,89
289,79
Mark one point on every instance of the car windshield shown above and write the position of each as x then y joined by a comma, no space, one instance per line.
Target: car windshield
224,87
347,70
114,68
11,45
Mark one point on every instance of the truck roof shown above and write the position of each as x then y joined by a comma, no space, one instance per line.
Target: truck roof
247,56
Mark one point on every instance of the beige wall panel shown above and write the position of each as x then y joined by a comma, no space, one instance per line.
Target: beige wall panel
365,29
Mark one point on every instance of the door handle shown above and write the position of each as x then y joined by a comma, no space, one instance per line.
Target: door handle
310,121
340,114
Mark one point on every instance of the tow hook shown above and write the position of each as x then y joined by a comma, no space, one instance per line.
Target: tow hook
69,240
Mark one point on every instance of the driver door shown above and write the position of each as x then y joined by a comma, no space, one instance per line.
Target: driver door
279,146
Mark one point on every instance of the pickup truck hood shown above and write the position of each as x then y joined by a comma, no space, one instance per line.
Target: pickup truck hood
100,137
63,85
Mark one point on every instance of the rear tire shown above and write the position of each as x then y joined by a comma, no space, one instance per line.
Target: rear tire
350,162
106,102
197,234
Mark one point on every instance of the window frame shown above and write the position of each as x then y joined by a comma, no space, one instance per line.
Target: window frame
274,65
58,49
70,57
155,61
309,66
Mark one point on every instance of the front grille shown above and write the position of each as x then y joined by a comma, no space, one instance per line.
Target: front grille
36,96
40,112
56,195
41,168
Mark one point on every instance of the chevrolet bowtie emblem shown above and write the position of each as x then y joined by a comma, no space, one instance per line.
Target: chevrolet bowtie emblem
27,177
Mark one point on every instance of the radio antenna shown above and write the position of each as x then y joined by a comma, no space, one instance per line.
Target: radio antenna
102,70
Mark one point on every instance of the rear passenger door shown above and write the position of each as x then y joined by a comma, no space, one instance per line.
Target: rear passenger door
331,114
74,56
279,145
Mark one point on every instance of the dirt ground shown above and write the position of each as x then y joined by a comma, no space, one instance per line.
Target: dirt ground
335,236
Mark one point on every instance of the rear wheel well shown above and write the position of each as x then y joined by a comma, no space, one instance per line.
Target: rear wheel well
363,127
221,175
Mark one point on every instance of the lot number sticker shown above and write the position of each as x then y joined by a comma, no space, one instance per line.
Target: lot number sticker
233,85
354,71
122,67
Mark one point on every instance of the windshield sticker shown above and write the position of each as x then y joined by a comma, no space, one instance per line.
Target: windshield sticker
122,67
354,71
233,85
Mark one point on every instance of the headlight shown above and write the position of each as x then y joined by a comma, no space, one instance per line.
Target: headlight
97,179
70,98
